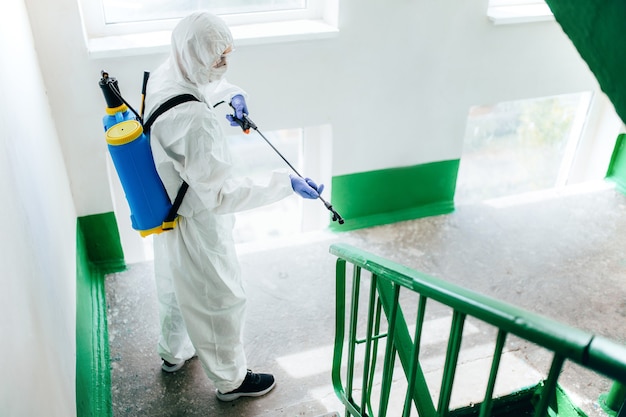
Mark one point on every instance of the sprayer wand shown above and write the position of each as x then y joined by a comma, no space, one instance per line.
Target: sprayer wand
246,124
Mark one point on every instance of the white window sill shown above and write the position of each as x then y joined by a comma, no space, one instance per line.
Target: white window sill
529,13
262,33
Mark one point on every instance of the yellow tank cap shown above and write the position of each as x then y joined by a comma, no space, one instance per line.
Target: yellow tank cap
124,132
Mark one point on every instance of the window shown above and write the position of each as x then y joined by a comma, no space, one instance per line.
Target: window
309,151
116,11
252,157
521,146
140,26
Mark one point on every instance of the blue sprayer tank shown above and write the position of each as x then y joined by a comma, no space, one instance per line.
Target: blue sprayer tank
130,151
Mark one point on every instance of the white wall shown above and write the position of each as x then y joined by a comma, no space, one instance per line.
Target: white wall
38,238
395,84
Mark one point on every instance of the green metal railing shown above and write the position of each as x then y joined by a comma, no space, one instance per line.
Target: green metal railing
384,321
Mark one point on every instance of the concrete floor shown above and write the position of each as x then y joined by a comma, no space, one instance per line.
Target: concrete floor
559,255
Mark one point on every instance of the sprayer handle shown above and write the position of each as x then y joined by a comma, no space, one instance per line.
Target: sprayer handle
244,123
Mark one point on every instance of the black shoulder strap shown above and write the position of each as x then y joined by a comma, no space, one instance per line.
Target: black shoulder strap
172,102
169,221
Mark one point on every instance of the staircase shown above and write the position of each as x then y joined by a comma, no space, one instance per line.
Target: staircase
373,306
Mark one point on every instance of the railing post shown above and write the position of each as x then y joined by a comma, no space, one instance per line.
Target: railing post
417,340
369,338
452,356
485,409
616,397
352,336
340,308
549,386
390,353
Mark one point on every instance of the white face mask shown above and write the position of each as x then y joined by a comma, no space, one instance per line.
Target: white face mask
217,73
218,69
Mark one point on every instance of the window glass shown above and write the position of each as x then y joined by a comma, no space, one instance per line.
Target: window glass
518,146
126,11
253,157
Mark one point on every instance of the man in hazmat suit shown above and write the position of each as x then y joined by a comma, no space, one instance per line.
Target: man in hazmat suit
201,297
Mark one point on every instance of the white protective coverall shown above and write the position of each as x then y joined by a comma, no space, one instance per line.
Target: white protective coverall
201,297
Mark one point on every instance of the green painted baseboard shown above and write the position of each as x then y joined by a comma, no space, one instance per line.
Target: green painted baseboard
617,167
391,195
98,252
102,241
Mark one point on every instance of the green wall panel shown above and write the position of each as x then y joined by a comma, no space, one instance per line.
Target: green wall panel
597,29
617,166
386,196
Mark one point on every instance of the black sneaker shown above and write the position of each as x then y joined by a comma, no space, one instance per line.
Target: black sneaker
171,367
254,385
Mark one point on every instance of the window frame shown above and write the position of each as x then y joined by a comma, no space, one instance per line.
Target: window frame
96,26
318,21
504,3
505,12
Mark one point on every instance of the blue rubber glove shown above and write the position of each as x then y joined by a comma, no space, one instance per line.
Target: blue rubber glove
306,188
238,103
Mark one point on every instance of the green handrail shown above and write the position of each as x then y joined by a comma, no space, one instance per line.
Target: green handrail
567,343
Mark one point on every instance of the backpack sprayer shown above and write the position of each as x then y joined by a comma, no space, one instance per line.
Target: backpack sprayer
246,124
128,141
